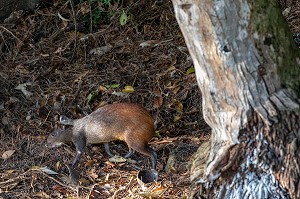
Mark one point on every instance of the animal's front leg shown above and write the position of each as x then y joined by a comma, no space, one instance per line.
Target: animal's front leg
107,150
80,144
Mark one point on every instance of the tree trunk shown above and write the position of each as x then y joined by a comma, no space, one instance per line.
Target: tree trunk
247,66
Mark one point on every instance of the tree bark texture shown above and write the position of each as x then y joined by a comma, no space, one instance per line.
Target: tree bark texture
244,57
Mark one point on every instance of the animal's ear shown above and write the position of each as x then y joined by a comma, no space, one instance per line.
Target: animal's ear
65,120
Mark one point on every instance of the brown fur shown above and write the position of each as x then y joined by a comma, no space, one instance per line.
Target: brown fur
123,121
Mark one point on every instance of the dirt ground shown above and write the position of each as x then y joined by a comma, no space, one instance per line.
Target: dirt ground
54,62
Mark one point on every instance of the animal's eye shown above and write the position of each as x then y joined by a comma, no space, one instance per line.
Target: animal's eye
55,133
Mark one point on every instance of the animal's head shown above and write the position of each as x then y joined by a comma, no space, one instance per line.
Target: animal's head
57,137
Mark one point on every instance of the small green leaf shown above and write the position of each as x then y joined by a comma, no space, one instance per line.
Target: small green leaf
190,70
108,86
157,134
91,96
123,18
128,89
114,86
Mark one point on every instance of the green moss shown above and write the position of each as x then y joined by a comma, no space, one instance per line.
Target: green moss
267,20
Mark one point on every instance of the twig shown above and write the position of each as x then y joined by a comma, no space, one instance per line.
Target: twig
91,17
76,94
45,118
14,179
58,182
75,27
11,34
123,187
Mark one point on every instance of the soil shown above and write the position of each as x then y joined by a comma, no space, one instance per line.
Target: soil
54,62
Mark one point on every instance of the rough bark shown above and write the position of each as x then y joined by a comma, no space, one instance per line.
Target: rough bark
244,56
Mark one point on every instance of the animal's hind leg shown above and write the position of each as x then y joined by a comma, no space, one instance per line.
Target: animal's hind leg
130,152
143,148
107,150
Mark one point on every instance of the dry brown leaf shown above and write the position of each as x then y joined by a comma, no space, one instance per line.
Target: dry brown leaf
57,166
117,159
177,118
8,154
159,190
178,105
102,88
176,89
89,163
5,121
84,8
158,101
21,69
84,181
93,173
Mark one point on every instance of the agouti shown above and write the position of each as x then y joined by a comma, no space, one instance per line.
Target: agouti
123,121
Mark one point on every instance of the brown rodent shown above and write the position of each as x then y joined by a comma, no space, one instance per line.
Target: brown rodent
123,121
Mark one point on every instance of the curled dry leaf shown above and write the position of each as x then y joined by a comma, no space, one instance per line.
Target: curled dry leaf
48,171
128,89
8,154
117,159
22,87
84,8
89,163
158,99
5,121
101,50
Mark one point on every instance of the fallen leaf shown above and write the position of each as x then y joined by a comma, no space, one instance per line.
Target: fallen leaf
35,167
84,8
5,121
128,89
190,70
91,96
117,159
84,181
48,171
60,189
119,94
21,69
112,86
123,18
158,101
102,88
178,105
176,118
148,43
22,87
57,166
93,173
8,154
158,190
89,163
100,50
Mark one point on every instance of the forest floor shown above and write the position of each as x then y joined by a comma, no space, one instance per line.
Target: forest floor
66,59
